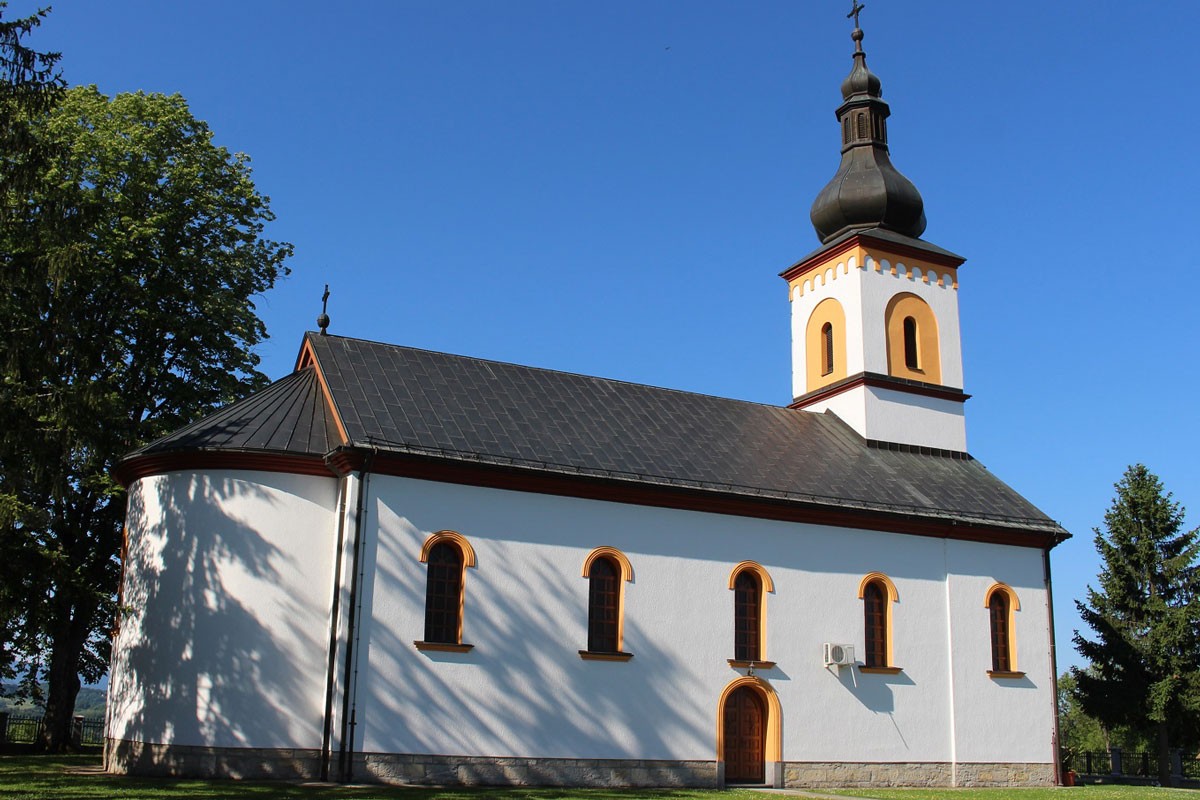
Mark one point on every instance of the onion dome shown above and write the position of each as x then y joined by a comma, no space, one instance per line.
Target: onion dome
867,191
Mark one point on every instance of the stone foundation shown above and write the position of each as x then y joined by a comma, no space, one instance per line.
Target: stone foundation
138,758
124,757
475,770
832,775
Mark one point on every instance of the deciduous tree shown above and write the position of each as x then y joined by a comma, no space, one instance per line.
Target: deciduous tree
130,271
1145,657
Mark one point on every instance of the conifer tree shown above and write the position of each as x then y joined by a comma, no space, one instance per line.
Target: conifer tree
1145,657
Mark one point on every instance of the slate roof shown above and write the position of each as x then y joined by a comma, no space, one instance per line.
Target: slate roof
407,401
290,416
881,235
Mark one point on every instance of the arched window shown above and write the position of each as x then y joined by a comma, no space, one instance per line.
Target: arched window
827,348
1001,601
604,607
750,584
607,571
747,598
825,344
447,555
913,349
878,593
875,606
443,594
911,359
998,612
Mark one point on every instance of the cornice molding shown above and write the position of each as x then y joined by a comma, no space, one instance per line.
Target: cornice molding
689,499
868,242
878,380
140,467
345,460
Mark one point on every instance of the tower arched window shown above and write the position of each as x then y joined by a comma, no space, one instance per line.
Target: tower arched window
607,571
913,349
912,359
825,344
447,555
827,348
878,594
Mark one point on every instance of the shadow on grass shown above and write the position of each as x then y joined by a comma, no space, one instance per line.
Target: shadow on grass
79,778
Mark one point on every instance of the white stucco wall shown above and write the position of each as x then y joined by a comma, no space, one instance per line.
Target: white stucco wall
225,630
228,591
891,416
524,691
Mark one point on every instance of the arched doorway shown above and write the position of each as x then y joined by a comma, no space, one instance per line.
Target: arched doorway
745,728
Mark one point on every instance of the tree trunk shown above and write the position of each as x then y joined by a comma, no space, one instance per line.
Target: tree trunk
63,680
1164,755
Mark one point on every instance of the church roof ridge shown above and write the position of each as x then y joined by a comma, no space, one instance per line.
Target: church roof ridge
553,370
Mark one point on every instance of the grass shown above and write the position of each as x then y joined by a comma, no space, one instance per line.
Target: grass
76,778
1107,792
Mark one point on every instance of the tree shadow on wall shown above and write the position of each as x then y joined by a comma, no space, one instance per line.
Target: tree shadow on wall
541,698
196,663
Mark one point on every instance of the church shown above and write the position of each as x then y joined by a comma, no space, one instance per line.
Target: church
404,566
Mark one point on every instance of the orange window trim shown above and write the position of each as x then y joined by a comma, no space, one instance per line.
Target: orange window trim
1014,605
626,576
765,586
891,596
901,308
468,560
774,734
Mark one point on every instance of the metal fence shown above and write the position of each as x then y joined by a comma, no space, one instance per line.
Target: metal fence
27,730
1141,766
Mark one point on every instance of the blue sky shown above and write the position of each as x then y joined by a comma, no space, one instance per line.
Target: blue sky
611,189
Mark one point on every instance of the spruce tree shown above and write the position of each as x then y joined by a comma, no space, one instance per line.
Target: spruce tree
1145,655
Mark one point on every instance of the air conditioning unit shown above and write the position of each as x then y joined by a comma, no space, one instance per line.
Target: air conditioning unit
839,655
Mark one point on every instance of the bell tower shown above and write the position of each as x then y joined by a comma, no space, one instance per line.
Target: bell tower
875,332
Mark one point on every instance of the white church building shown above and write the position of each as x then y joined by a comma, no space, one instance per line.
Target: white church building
406,566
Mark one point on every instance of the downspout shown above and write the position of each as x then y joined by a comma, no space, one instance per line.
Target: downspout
1053,660
331,667
353,631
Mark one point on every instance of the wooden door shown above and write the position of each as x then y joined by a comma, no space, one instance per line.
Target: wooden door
745,732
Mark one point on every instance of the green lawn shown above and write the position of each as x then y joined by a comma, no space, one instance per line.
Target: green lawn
77,778
74,778
1076,793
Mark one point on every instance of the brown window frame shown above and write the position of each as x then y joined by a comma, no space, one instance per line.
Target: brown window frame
445,591
875,624
604,606
747,617
444,594
1001,603
827,348
912,352
998,618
